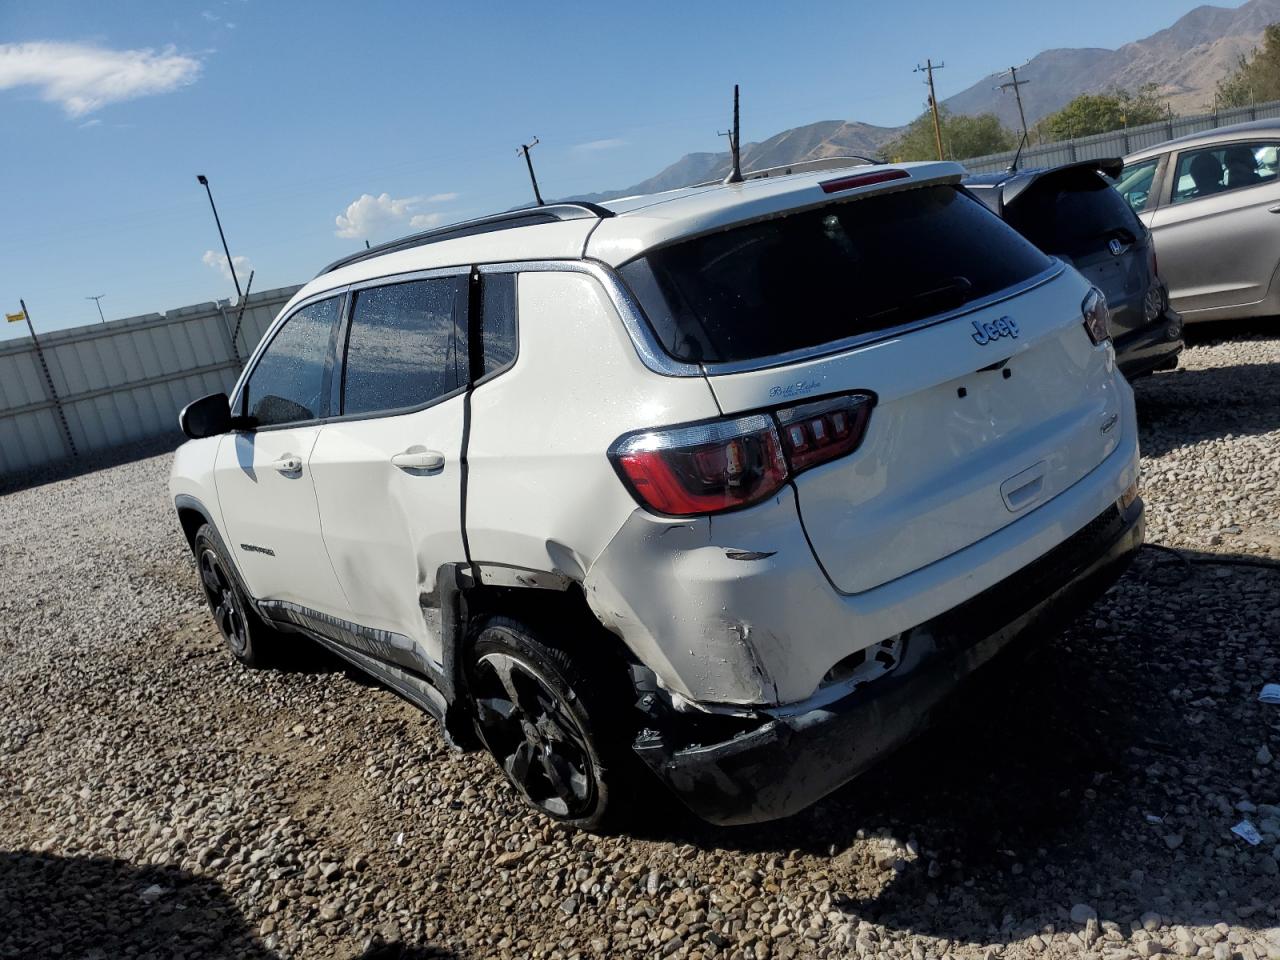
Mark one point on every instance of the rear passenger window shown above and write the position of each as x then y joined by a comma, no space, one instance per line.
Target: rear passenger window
498,320
287,384
1202,173
407,345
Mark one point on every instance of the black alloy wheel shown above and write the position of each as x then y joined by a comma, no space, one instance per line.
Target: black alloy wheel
531,715
228,612
248,638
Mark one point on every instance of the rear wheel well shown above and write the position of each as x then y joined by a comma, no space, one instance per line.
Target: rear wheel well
564,621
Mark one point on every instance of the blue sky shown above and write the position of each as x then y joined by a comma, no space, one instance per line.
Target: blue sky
297,111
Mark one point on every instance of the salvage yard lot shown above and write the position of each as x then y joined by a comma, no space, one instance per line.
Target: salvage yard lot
158,800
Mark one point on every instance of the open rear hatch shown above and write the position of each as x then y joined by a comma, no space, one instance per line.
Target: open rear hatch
988,395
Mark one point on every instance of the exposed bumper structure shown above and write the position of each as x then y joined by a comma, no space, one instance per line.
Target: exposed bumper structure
801,754
1153,347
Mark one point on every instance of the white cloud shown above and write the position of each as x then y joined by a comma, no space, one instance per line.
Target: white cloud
218,262
83,78
610,144
371,217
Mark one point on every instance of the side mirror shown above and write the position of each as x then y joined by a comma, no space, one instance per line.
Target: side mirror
207,417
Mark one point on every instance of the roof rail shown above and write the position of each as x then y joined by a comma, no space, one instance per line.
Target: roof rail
523,217
801,166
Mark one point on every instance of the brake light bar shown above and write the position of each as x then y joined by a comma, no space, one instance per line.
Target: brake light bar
732,463
862,180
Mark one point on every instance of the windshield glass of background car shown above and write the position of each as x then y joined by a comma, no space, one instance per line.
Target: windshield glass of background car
825,275
407,345
287,384
1073,213
1136,181
1222,168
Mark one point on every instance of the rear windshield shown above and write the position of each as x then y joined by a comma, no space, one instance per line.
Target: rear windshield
1073,213
825,275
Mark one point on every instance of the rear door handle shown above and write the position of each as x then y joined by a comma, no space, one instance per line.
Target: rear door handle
419,460
288,464
1275,209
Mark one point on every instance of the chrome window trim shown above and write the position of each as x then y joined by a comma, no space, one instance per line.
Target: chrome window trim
391,279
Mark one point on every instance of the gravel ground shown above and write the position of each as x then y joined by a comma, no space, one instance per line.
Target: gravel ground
157,800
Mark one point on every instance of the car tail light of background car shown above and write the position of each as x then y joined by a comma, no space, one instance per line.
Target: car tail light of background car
732,463
1097,316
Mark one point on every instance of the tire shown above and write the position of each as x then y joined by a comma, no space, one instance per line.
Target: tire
249,639
553,732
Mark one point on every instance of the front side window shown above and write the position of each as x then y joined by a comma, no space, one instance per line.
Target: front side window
287,385
821,276
407,345
1136,181
1214,170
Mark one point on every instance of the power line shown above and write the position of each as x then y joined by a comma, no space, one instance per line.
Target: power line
928,68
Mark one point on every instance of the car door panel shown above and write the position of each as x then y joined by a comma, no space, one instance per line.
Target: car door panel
273,520
1220,250
388,471
389,528
262,474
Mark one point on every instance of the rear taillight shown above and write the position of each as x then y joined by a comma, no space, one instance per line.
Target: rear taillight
814,433
1097,316
728,464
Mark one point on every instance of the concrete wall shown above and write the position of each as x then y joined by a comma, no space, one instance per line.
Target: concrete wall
1119,143
120,382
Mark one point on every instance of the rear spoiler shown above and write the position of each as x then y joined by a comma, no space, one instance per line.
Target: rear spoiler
1017,183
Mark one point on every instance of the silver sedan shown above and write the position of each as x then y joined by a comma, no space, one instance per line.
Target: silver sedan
1211,202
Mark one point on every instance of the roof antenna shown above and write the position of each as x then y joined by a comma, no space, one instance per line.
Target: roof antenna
735,175
1013,167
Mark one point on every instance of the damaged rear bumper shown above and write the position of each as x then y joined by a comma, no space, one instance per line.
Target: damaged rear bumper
797,756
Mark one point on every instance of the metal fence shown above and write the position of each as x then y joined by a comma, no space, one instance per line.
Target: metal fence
120,382
1120,143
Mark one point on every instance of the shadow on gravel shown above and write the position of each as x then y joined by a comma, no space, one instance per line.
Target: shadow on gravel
1171,406
83,907
1103,770
96,908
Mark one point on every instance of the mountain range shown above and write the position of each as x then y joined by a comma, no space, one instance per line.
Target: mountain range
1185,61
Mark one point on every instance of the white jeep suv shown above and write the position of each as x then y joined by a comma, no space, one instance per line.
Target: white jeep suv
727,487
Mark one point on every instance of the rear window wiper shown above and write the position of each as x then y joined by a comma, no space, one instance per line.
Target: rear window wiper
960,290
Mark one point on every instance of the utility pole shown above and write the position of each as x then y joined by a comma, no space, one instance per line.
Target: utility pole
98,300
204,182
734,135
525,147
928,68
1016,84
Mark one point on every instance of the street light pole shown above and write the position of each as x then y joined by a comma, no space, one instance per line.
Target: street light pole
204,182
98,301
